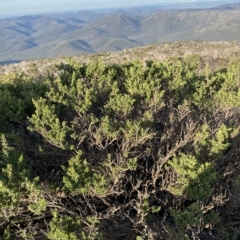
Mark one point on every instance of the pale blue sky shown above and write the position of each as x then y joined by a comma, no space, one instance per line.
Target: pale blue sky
19,7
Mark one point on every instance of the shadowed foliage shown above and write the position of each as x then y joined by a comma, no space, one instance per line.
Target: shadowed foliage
121,151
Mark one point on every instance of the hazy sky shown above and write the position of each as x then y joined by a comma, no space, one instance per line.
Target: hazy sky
18,7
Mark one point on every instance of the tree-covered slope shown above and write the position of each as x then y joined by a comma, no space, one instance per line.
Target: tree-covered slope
121,151
34,37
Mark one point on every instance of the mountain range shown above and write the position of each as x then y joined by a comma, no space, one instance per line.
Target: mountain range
53,35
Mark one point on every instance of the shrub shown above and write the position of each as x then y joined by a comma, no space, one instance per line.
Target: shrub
147,147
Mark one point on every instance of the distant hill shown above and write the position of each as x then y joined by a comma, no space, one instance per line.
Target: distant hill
229,6
206,25
52,35
84,16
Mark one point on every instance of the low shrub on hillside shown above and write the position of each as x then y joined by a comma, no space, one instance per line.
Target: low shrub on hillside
131,151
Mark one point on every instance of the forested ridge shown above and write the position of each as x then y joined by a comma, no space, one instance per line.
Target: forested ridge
108,30
132,150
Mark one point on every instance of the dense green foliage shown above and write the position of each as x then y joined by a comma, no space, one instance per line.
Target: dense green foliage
131,151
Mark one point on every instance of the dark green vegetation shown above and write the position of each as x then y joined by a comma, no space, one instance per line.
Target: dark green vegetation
121,151
44,36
